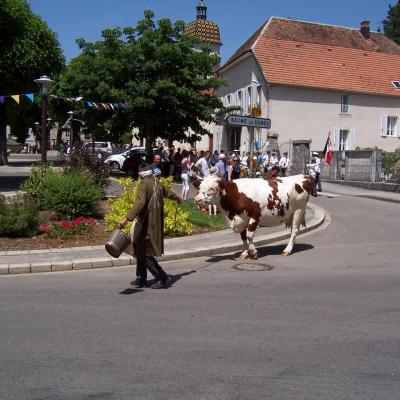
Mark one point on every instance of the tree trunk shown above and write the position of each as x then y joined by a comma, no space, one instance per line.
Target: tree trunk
3,142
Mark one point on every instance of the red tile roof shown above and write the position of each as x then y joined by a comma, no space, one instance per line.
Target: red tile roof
322,56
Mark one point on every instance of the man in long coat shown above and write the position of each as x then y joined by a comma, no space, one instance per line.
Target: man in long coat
149,209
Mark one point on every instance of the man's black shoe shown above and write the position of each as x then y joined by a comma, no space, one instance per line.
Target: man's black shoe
139,283
161,284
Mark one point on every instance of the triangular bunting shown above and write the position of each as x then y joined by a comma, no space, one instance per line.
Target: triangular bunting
29,96
1,99
90,104
111,106
15,97
104,105
78,98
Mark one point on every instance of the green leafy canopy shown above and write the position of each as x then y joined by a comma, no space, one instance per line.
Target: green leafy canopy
154,69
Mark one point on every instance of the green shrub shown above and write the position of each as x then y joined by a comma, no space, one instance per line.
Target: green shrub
71,195
86,162
20,217
33,186
176,221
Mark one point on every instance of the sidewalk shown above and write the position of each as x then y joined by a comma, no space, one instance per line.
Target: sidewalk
347,190
208,244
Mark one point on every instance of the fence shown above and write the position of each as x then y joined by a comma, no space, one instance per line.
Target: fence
354,165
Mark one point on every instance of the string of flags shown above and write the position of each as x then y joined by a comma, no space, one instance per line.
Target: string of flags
90,104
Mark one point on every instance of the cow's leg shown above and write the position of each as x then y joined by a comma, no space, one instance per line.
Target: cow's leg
251,228
245,252
296,221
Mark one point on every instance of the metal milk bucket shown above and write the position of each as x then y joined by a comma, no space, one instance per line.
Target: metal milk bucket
117,243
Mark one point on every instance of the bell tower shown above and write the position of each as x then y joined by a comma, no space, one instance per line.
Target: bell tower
201,10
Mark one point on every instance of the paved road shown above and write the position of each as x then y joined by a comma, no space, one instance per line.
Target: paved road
321,324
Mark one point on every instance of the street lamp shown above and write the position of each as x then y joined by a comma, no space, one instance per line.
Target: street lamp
71,130
44,82
48,132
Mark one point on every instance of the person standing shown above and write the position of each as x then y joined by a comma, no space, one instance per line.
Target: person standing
149,208
186,166
318,170
203,165
284,163
220,165
312,171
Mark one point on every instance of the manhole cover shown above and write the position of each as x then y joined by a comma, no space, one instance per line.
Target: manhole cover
250,266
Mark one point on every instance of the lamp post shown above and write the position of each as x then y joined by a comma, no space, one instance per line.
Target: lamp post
71,127
44,82
48,133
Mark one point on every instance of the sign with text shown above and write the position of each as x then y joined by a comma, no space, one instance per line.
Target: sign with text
242,120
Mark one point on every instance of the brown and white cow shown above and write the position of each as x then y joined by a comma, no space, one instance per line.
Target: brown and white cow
250,202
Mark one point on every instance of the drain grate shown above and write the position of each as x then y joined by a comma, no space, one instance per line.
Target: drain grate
251,266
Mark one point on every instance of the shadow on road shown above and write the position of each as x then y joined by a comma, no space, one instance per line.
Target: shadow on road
171,282
262,252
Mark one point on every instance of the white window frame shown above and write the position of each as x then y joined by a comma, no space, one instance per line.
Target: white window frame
389,125
228,100
344,104
240,99
258,96
248,100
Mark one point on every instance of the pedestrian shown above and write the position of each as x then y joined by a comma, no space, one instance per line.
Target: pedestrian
149,242
203,165
214,158
156,165
186,166
315,154
234,169
284,163
221,167
312,171
273,160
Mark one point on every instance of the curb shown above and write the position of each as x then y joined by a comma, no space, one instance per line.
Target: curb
124,260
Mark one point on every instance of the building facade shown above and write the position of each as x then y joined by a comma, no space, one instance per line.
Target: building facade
314,80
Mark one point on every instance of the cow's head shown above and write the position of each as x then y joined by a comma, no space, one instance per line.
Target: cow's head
208,189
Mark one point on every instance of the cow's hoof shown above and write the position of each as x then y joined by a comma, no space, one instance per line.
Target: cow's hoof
286,253
254,256
244,256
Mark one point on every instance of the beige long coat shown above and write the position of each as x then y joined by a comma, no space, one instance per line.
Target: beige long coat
149,207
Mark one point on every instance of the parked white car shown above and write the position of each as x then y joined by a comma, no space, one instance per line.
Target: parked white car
116,161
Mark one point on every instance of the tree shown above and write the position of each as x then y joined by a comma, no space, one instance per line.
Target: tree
391,25
28,49
154,70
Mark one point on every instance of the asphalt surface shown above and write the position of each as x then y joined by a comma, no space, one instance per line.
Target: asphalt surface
321,324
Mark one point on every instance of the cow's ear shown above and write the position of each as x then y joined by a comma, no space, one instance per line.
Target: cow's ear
196,183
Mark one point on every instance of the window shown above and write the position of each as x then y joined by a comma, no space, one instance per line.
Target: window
344,139
228,100
396,84
248,99
344,104
258,100
389,125
240,99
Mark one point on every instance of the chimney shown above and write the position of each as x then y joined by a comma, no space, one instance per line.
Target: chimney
365,29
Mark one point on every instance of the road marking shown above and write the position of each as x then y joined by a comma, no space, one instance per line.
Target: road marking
327,194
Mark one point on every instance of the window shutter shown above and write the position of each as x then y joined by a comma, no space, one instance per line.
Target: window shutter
384,125
336,140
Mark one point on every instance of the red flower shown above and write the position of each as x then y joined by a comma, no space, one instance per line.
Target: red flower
67,224
44,227
55,217
79,220
91,221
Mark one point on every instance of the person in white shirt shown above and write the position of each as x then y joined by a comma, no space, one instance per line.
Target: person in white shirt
203,165
312,172
284,163
273,159
318,171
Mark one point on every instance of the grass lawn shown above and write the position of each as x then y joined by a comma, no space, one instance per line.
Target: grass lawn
198,218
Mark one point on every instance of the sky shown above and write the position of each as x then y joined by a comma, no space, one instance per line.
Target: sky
237,19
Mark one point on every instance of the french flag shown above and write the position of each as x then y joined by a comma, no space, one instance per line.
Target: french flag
328,152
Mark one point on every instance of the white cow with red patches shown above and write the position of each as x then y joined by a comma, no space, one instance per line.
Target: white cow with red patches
250,202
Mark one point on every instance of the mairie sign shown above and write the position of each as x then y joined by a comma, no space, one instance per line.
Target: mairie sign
242,120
